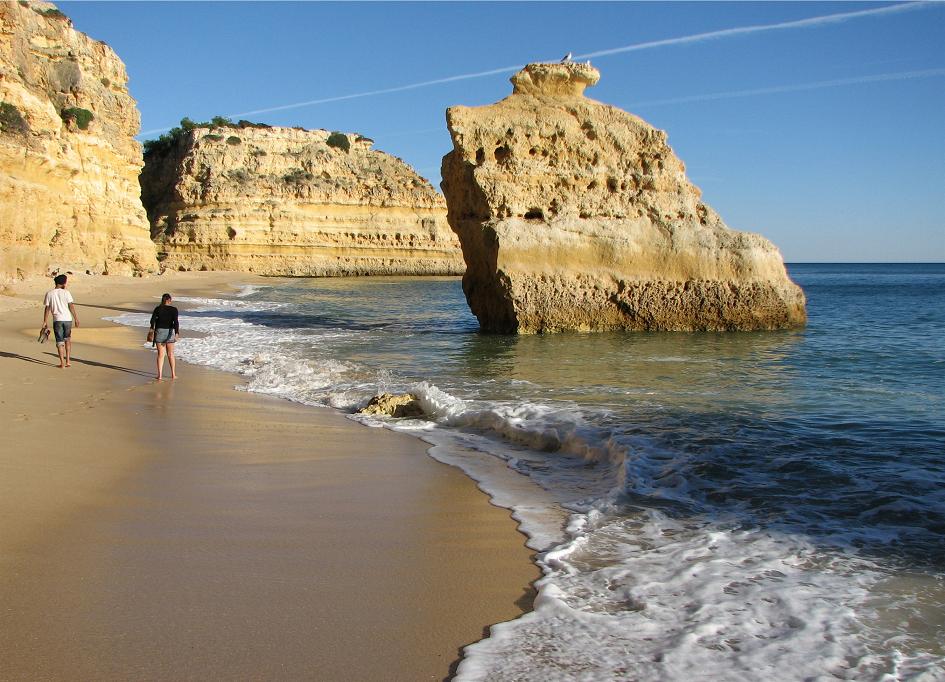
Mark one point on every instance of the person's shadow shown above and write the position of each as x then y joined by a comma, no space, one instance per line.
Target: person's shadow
111,307
93,363
15,356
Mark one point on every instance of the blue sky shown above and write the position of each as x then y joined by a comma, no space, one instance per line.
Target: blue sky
826,137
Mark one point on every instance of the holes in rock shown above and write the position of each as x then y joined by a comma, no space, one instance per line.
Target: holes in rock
532,151
502,154
612,184
480,156
592,184
534,214
231,233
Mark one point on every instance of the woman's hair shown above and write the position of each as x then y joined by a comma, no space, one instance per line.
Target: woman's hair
165,298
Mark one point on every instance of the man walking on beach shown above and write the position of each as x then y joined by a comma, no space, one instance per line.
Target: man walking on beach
59,302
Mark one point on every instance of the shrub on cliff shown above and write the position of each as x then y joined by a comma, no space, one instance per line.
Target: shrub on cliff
234,140
240,175
339,141
51,13
168,140
11,120
297,176
81,117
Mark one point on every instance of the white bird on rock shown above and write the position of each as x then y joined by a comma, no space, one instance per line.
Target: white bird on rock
566,59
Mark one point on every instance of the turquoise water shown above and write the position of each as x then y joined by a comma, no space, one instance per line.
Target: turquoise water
720,505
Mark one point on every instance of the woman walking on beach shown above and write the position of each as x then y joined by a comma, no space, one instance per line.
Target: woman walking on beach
166,330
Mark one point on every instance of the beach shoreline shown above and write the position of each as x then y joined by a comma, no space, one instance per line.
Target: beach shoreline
222,532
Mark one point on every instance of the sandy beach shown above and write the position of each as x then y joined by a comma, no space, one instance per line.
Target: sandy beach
186,530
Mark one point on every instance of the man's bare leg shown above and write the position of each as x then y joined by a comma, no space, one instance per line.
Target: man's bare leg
60,348
68,352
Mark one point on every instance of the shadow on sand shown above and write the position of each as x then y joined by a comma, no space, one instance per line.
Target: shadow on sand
93,363
26,358
110,307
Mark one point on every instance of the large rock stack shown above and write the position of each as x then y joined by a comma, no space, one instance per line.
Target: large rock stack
575,215
69,164
288,201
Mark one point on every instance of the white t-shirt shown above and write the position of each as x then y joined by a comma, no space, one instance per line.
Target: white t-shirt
58,301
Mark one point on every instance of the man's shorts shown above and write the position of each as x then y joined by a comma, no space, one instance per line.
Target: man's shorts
162,335
63,331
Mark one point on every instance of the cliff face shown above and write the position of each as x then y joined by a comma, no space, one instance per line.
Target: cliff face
69,164
286,201
575,215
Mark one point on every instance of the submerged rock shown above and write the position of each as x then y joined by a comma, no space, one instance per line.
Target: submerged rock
403,405
576,215
288,201
69,163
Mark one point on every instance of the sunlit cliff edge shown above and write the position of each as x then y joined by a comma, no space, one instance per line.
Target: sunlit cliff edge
69,164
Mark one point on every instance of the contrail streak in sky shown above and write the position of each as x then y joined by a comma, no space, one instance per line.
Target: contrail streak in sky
904,75
811,22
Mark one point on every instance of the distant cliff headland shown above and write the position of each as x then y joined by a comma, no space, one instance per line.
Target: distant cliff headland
287,201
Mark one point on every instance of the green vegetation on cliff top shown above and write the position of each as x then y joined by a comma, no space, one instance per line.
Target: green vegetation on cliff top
169,140
339,140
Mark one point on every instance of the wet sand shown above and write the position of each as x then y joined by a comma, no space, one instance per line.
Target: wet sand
185,530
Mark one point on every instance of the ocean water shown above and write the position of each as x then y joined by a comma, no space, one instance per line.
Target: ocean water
711,506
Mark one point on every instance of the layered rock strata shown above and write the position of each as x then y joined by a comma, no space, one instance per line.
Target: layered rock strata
69,164
287,201
576,215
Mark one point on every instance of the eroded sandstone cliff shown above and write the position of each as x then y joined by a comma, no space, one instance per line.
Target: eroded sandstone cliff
576,215
69,164
287,201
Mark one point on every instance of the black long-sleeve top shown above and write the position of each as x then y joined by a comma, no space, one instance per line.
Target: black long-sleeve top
165,317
